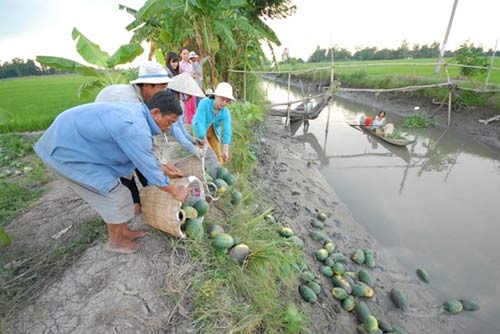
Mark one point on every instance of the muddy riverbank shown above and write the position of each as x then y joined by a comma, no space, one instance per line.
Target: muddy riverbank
299,192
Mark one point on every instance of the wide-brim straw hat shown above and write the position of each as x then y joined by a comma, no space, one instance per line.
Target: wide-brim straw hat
152,73
184,83
224,89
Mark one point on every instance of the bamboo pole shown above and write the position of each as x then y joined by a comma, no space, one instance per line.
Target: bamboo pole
491,65
287,122
449,93
443,47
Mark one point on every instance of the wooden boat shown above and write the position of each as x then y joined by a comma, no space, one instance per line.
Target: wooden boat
299,113
393,141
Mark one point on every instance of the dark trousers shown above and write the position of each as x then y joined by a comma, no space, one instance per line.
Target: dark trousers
132,186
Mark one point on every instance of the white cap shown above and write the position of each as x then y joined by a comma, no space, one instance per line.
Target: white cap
153,73
193,54
224,89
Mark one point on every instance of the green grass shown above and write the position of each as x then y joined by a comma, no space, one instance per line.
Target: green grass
409,67
22,175
34,102
405,72
248,298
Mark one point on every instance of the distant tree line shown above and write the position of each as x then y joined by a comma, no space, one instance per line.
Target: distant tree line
402,52
19,68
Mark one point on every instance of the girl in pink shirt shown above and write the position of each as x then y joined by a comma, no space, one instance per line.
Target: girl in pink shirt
189,101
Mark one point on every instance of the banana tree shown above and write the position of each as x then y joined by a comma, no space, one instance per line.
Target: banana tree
104,73
224,30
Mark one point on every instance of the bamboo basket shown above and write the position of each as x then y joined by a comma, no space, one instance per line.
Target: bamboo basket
191,165
161,211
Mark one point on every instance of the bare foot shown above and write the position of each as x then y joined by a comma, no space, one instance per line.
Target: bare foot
137,208
125,246
134,234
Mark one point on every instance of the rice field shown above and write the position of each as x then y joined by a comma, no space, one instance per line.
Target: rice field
407,67
32,103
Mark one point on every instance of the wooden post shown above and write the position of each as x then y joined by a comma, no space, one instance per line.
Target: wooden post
491,65
287,122
450,88
449,105
443,47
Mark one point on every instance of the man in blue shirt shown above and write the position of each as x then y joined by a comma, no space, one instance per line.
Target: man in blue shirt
91,146
152,79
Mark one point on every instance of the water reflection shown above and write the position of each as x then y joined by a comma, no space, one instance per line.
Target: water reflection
432,204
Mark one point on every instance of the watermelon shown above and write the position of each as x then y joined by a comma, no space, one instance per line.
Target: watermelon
223,241
385,326
329,262
326,271
470,305
339,293
453,306
307,294
239,252
214,230
189,211
370,324
348,304
194,228
317,224
329,246
307,276
236,197
317,235
314,286
339,282
366,278
285,232
362,311
423,275
398,297
296,241
222,172
201,207
321,254
358,256
222,186
322,217
338,257
230,179
338,268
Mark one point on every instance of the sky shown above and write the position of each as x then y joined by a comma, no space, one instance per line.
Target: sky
43,27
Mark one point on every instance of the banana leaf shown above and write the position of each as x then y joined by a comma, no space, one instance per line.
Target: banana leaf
125,54
89,51
67,65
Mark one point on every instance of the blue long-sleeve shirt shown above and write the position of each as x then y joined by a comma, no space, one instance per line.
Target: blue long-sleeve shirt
130,93
204,117
96,143
180,133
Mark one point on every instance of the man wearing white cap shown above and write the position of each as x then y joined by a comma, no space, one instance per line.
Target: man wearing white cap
92,145
152,79
210,116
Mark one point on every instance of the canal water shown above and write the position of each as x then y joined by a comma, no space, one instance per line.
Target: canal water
434,204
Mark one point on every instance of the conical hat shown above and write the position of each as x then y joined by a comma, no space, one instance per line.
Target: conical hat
184,83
